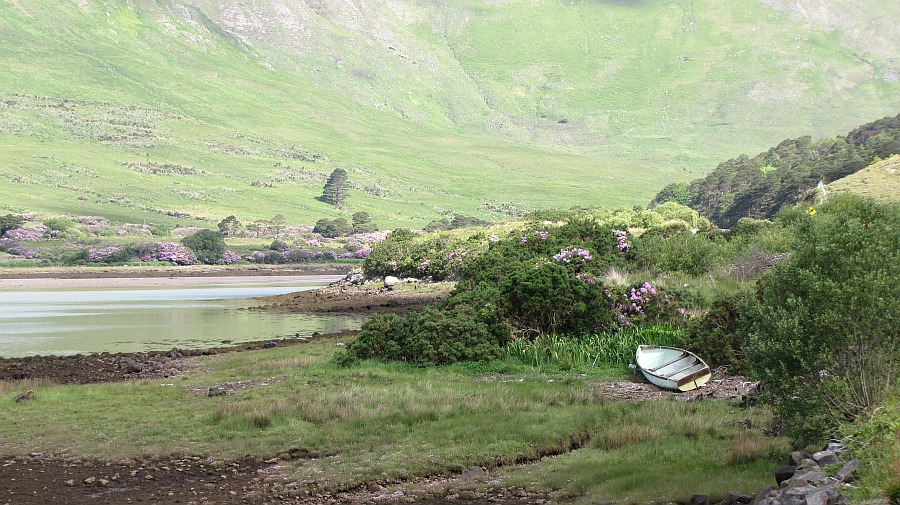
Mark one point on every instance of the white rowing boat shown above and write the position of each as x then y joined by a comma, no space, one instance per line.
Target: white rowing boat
672,368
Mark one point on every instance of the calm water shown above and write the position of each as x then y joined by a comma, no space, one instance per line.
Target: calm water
128,319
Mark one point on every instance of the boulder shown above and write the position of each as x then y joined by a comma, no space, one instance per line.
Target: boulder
825,458
784,473
390,281
797,457
699,499
736,498
837,448
846,473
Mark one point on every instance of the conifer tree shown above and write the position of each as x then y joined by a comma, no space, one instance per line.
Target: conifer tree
337,189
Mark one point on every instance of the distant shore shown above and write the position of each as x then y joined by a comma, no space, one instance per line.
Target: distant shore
62,277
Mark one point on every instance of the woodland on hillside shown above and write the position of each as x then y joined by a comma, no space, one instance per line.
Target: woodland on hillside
759,187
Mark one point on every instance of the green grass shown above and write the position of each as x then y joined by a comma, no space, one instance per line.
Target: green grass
880,180
611,348
390,421
462,108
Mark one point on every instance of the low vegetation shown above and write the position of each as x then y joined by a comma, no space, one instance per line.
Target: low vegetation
393,422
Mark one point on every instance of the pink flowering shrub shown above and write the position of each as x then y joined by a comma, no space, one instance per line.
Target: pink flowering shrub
174,253
105,255
28,234
229,257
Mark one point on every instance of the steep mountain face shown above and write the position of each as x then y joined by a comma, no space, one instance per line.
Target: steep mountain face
432,106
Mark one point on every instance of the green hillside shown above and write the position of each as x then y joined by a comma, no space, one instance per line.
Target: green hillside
136,109
880,180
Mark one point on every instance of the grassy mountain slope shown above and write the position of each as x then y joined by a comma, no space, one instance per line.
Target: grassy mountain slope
880,180
135,108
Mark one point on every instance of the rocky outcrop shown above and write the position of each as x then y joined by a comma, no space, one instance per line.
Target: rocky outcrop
810,479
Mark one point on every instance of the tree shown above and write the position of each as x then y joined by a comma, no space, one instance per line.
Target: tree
10,222
229,226
332,228
208,245
277,224
337,189
823,329
362,223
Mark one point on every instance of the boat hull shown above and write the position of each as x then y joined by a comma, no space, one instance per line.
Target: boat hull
672,368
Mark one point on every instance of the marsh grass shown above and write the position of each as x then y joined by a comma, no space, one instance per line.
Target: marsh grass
663,451
374,421
22,385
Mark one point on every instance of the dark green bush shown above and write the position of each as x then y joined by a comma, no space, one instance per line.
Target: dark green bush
552,299
823,327
59,224
208,245
716,336
435,336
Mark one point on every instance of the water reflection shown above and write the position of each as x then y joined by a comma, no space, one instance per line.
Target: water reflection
129,319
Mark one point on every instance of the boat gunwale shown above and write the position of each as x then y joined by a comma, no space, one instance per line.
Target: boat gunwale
677,383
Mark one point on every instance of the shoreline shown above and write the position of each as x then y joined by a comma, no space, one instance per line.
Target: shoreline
131,276
41,283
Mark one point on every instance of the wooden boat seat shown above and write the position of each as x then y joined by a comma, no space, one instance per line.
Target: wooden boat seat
676,372
699,373
667,363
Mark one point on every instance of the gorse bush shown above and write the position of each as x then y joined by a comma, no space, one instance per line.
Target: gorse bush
823,327
438,335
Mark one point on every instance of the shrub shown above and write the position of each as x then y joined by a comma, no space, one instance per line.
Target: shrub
435,336
10,222
551,299
331,228
823,327
160,230
716,335
59,224
208,246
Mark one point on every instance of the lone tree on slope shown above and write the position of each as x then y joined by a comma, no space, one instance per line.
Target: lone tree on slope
337,189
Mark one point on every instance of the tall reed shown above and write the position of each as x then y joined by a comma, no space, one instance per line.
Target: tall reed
610,348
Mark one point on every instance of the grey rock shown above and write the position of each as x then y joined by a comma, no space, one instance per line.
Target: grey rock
270,344
90,480
216,392
807,464
796,495
797,457
699,499
784,473
390,281
70,482
763,494
735,498
825,458
846,473
102,482
376,488
473,474
837,448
